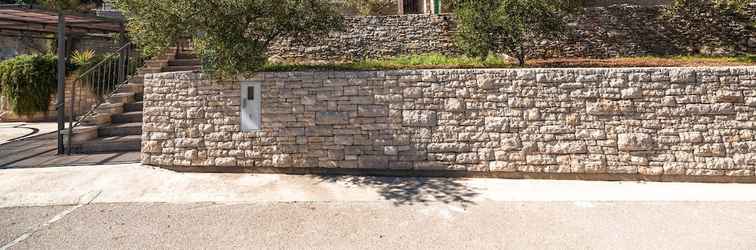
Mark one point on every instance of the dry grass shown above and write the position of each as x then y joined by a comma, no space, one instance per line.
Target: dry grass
437,61
680,61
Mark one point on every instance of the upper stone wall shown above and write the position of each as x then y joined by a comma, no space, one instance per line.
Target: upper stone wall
372,37
648,122
598,32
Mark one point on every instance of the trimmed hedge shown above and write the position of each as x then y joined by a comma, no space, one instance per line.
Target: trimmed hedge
28,81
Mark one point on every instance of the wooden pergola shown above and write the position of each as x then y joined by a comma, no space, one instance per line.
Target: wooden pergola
23,20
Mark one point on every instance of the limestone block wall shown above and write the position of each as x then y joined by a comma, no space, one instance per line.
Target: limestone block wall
372,37
643,122
596,32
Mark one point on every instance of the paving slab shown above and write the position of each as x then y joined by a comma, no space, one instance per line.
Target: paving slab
40,150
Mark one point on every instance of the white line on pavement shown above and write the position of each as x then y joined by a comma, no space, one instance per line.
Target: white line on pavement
89,197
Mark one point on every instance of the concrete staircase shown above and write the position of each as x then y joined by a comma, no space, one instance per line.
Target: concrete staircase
117,124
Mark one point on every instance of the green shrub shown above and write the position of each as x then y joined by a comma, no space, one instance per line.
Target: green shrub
28,81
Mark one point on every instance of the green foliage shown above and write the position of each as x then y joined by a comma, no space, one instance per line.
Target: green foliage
231,36
28,81
373,7
509,26
82,57
424,61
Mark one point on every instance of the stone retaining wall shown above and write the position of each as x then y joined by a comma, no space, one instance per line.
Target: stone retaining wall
598,32
645,122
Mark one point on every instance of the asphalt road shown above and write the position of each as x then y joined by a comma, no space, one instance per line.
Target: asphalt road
385,225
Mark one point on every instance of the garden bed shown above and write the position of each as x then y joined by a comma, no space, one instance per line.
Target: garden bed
437,61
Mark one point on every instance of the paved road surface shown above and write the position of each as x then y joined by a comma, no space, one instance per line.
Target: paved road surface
137,207
383,225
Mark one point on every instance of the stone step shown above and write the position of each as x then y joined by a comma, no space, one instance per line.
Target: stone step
149,70
185,62
123,129
182,68
130,143
81,134
137,79
132,88
186,56
128,117
134,106
110,108
157,62
122,98
96,119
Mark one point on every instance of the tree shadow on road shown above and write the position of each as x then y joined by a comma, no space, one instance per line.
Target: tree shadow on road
413,190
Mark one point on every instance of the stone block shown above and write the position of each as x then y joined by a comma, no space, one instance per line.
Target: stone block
449,147
419,118
750,101
631,93
496,124
635,142
511,143
467,158
590,134
346,140
331,118
502,166
606,107
541,160
225,162
691,137
729,96
372,111
710,150
413,93
373,162
454,105
282,160
566,147
319,131
153,147
557,129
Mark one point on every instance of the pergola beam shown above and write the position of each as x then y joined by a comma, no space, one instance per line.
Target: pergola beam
19,19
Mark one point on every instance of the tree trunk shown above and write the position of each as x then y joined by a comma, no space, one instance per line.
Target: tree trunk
521,56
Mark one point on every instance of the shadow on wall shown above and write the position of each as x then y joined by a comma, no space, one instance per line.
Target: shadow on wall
413,191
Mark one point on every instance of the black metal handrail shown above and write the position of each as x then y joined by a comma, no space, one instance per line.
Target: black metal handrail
97,84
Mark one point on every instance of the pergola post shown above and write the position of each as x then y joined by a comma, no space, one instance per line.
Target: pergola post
60,103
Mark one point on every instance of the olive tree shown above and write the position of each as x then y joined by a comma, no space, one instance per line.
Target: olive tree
511,27
231,36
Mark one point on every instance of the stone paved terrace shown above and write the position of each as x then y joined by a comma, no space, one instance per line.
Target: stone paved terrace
655,123
33,145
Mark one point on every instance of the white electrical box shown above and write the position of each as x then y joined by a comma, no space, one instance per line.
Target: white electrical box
251,97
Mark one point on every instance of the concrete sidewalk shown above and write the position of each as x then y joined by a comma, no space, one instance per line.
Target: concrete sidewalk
136,183
13,131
